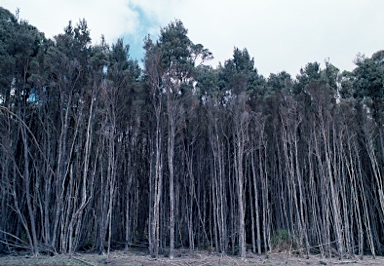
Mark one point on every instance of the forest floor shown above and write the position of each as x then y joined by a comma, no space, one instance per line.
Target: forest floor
134,257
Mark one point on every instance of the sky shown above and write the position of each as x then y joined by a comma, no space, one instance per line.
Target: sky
281,35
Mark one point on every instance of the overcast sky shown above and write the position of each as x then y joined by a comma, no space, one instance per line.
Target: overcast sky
279,34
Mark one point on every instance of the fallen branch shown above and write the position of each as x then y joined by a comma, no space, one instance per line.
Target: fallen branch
344,262
230,258
84,261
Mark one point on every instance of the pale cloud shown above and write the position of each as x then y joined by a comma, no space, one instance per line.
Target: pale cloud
285,35
110,18
279,34
160,11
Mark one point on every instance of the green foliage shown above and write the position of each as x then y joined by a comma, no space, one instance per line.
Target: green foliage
20,45
207,81
282,240
174,43
309,76
280,81
368,83
239,74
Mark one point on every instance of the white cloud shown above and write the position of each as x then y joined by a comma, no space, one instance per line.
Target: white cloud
111,18
285,35
279,34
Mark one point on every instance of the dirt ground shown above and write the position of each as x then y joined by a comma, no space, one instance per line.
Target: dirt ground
184,258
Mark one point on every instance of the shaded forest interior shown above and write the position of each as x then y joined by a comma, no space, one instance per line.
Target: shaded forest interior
98,153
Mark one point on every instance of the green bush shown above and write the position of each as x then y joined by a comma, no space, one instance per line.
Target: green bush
282,240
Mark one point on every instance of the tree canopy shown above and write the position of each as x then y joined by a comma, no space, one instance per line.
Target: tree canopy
99,153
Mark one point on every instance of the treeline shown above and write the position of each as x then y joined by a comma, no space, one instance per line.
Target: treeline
97,153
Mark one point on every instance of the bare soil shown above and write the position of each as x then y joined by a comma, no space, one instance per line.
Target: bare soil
135,257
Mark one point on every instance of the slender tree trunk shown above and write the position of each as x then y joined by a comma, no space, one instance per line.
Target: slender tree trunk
27,181
240,132
252,213
257,209
170,151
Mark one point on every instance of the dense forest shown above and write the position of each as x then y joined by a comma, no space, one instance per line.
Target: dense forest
99,152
